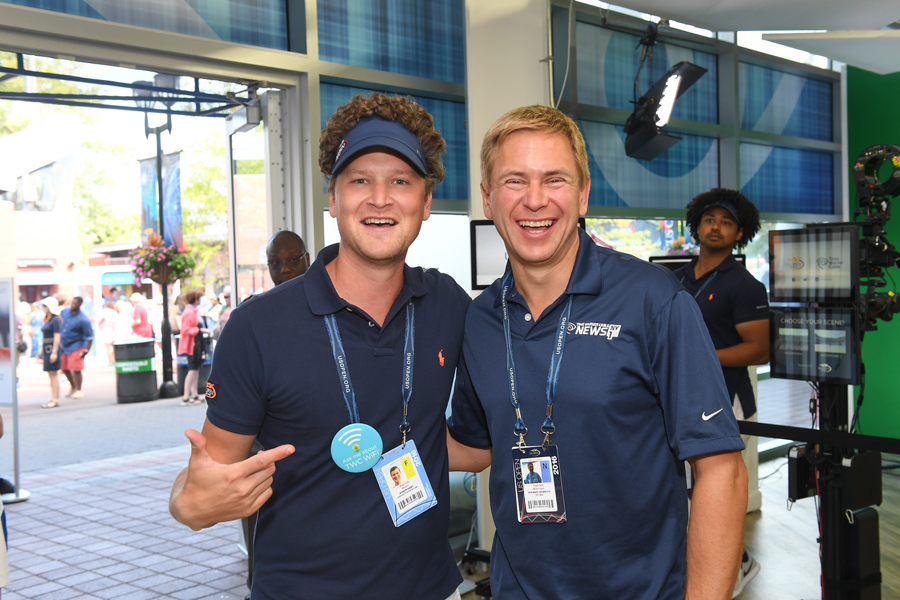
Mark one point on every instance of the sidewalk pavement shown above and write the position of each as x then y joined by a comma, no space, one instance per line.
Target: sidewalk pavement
97,523
102,529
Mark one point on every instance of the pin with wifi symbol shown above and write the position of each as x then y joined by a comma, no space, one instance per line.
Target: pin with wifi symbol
356,447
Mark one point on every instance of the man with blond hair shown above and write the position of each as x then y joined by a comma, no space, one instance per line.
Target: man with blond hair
597,364
323,364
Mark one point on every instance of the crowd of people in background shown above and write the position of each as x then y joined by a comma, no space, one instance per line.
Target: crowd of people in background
58,332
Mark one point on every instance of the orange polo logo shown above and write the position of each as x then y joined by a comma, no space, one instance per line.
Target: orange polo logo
441,356
710,296
210,390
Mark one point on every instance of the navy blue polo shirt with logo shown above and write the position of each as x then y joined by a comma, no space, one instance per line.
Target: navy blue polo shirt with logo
728,296
326,533
639,391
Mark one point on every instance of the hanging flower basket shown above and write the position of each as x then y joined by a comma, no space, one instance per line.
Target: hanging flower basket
160,262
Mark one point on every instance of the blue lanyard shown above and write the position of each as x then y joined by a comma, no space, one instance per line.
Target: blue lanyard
340,361
705,283
547,428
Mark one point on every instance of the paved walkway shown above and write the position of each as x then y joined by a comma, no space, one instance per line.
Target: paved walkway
101,529
97,523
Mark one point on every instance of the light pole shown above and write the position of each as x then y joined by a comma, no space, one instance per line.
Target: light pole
145,98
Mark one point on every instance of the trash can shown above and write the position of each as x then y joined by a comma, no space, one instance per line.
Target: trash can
135,377
205,368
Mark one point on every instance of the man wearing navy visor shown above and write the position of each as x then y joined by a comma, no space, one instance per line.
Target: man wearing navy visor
734,304
355,344
595,363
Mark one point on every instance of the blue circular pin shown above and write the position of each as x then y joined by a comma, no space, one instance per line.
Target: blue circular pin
356,448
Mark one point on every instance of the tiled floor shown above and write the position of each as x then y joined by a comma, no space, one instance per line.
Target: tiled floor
101,530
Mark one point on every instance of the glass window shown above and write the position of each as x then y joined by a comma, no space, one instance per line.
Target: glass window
669,181
254,22
776,102
425,39
449,119
607,62
787,180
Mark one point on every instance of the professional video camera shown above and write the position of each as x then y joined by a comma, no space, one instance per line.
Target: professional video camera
876,253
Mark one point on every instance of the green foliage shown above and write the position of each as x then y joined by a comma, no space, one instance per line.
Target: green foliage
12,120
205,207
99,223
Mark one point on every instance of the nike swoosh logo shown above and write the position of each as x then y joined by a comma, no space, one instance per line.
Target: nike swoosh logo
707,417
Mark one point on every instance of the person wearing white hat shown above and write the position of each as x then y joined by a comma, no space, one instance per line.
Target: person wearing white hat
51,330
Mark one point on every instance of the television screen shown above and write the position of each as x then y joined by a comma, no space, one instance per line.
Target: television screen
814,344
489,253
817,264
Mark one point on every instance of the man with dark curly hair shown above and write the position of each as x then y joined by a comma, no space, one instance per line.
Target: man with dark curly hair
734,305
319,370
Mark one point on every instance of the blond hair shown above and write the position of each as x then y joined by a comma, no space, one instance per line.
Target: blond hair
533,118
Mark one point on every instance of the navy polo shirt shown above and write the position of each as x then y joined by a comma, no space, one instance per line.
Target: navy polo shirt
730,296
638,377
326,533
76,331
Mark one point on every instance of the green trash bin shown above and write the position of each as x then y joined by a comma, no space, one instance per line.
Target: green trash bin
135,377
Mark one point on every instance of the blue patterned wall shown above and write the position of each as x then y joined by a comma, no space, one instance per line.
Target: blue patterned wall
785,104
669,181
449,119
607,61
786,180
411,37
255,22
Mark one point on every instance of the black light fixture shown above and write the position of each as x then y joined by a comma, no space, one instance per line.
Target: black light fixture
645,139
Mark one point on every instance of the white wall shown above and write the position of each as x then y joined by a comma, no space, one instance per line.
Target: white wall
506,40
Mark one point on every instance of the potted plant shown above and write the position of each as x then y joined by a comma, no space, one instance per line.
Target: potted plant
160,262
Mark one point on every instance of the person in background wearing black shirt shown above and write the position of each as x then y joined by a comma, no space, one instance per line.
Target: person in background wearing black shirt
734,305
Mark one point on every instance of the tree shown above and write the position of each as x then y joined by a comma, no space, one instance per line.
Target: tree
99,223
204,208
12,120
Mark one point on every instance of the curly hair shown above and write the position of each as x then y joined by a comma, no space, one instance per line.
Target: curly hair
533,118
392,108
748,214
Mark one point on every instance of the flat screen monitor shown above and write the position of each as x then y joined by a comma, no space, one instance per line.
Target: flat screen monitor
817,264
814,344
676,262
489,253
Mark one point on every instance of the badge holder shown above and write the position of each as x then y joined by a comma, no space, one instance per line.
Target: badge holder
539,490
404,483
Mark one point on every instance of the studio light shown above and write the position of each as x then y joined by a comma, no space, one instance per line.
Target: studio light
645,140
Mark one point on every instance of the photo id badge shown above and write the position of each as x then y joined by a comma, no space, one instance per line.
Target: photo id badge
404,483
539,490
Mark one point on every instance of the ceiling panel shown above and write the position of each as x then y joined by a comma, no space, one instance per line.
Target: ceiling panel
875,51
773,15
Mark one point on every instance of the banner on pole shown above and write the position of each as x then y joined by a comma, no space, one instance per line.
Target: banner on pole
171,176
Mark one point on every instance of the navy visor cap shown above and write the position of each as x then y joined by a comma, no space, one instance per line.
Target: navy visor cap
375,131
727,206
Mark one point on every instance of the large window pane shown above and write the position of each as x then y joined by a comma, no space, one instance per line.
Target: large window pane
786,180
425,39
254,22
668,181
785,104
449,119
607,62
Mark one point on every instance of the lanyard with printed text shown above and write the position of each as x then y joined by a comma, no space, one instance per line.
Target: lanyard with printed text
340,361
357,447
548,427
